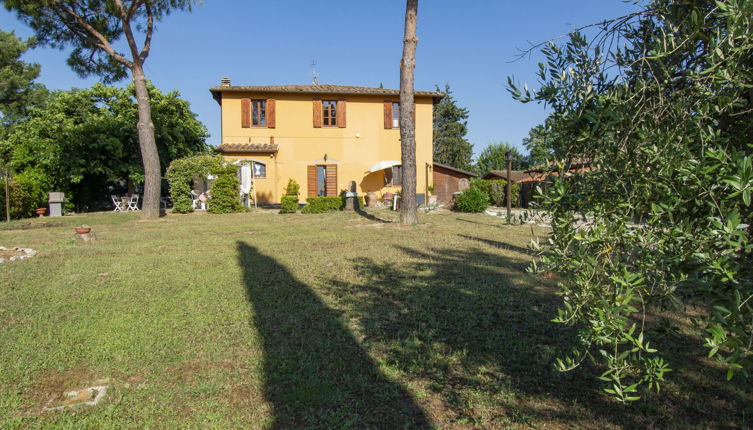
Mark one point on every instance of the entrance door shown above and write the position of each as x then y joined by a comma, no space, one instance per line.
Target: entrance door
321,180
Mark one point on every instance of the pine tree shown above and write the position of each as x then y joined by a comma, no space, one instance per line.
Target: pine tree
450,127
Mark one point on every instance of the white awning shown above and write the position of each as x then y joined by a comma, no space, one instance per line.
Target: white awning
384,164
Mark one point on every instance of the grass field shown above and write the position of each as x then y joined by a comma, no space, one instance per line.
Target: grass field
312,321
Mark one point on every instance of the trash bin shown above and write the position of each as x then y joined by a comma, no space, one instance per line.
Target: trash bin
56,201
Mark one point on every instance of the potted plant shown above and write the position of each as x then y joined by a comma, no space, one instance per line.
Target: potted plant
432,200
40,211
83,229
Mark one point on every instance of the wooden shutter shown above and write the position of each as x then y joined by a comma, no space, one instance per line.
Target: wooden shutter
387,114
341,109
317,114
271,113
245,113
332,190
312,181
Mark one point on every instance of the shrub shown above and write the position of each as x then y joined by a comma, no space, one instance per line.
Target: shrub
21,205
497,194
293,188
472,200
225,191
289,204
515,196
180,175
318,205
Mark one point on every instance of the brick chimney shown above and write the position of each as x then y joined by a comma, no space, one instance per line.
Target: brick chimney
224,81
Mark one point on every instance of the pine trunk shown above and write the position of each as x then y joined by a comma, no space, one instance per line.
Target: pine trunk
149,154
408,213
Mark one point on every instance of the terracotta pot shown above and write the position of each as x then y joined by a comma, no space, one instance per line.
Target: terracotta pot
371,200
41,211
83,230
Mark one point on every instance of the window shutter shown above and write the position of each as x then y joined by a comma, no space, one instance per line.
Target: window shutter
387,114
245,113
332,190
312,181
271,113
317,114
341,109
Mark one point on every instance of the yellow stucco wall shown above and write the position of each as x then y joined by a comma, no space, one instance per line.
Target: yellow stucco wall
355,148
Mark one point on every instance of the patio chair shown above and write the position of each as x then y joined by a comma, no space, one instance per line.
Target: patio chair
116,201
133,204
195,200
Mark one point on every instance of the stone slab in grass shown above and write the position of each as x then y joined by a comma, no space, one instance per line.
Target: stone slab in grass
88,396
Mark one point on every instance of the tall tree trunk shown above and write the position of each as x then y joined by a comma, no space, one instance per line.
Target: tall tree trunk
149,154
408,213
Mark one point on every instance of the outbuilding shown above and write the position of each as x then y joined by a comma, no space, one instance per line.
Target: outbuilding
449,180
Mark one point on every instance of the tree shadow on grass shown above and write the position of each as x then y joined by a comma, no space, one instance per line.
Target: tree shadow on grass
359,210
478,330
316,374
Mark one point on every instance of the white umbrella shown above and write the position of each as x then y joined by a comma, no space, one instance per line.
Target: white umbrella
384,164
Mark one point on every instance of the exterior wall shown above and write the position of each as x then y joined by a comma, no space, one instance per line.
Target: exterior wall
355,148
446,182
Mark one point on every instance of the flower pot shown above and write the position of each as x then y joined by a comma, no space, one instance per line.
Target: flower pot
83,230
371,200
40,211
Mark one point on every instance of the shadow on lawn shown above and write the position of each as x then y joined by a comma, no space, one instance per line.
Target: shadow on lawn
480,335
316,374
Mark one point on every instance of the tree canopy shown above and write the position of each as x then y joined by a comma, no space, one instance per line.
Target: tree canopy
665,118
18,91
539,150
493,158
450,127
82,141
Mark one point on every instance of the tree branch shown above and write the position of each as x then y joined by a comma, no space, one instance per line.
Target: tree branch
129,33
95,36
149,31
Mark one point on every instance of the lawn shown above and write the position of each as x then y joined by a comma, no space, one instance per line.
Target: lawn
312,321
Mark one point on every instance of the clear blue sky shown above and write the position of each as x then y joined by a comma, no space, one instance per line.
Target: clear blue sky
466,44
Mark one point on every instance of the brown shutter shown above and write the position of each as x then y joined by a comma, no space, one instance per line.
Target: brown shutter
317,114
245,113
312,181
341,109
387,114
271,113
332,190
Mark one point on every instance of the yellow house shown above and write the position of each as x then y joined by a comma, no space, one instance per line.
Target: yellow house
323,136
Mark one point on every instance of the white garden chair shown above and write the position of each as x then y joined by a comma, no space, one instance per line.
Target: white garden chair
195,202
133,203
117,202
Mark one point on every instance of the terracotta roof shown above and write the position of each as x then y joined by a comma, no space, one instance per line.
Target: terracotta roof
456,169
247,147
544,176
317,89
515,175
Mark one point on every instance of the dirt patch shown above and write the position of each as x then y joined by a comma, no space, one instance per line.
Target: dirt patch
8,253
32,225
53,386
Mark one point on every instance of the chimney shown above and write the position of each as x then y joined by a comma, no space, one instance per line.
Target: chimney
224,81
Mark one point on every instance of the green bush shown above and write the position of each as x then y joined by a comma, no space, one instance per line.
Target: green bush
289,204
472,200
21,204
293,188
180,175
515,196
225,197
497,194
318,205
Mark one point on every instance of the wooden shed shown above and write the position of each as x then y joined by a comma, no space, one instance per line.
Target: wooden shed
447,181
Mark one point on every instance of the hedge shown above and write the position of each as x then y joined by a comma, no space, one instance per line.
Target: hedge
318,205
289,205
472,200
224,197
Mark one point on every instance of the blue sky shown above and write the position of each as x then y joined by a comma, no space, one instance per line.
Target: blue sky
467,44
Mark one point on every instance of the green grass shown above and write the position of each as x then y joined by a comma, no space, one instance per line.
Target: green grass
312,321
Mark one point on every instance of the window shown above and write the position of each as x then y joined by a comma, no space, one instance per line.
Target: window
321,180
395,115
259,113
260,170
392,177
329,113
